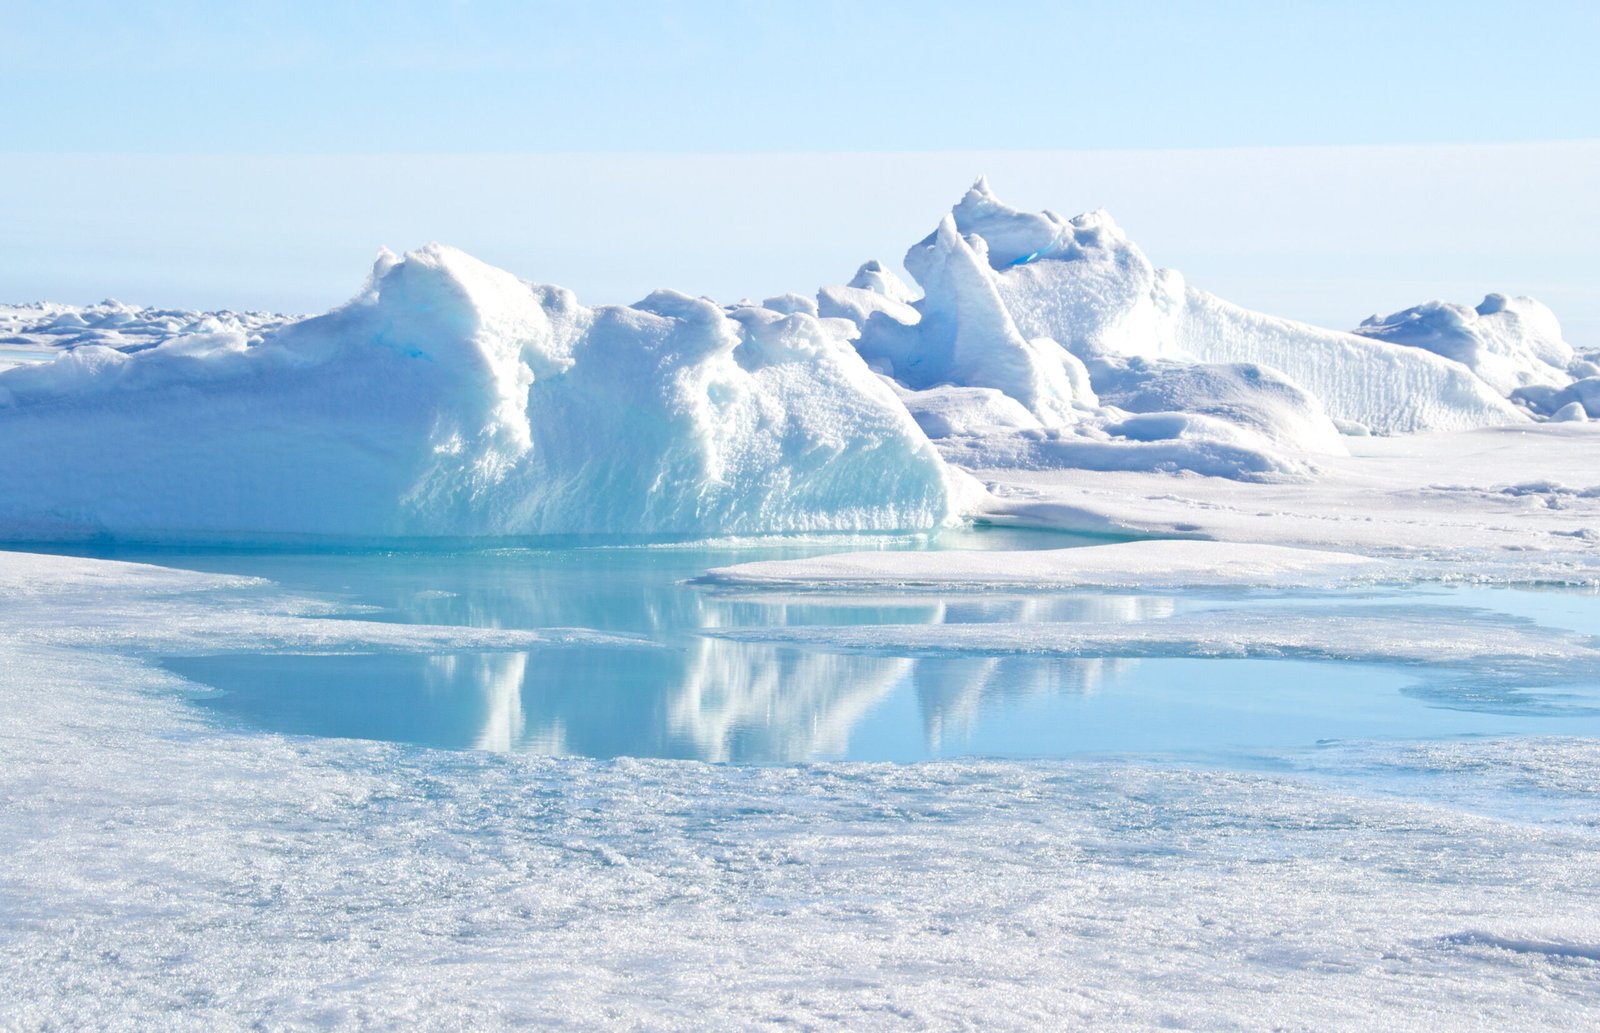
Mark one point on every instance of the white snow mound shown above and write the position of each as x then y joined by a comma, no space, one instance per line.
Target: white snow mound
1026,302
450,398
1509,343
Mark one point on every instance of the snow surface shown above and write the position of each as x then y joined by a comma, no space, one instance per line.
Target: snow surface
1485,649
449,398
1144,564
1512,505
161,871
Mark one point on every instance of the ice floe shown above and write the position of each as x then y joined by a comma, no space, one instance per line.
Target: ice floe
1146,564
163,871
1487,649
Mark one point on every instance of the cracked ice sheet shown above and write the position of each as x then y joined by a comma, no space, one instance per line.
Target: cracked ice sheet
161,871
1502,505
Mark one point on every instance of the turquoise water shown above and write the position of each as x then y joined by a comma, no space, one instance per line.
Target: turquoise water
704,697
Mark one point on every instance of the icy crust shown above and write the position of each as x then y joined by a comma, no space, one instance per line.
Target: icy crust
1146,564
150,610
1487,650
449,398
1501,505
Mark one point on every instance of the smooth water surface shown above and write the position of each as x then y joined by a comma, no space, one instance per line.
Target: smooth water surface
706,697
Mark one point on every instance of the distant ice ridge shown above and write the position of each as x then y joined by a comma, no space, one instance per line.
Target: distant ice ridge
450,398
1041,341
41,331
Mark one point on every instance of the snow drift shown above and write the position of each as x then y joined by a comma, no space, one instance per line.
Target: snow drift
450,398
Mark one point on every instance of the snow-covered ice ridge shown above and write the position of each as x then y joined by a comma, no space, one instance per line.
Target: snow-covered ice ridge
451,398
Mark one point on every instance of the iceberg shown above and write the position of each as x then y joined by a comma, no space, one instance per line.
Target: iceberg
450,398
1049,310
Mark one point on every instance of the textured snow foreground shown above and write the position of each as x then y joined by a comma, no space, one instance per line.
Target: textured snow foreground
161,872
449,398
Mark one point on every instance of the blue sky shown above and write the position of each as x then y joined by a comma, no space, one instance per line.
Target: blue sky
819,75
254,155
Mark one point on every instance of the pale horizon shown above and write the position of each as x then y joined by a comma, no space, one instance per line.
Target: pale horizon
1327,234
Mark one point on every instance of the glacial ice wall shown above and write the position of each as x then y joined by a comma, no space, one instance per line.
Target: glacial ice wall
450,398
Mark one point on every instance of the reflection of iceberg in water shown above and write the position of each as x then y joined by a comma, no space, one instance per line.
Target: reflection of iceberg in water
497,678
691,695
710,700
723,700
952,693
753,702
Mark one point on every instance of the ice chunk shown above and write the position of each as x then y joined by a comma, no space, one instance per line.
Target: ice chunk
789,304
450,398
1509,343
1250,397
858,305
1543,398
944,412
1084,284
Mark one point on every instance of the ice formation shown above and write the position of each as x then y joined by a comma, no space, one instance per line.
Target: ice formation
1509,343
450,398
1066,316
42,331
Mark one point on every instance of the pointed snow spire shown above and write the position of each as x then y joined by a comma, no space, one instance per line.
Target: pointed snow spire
873,276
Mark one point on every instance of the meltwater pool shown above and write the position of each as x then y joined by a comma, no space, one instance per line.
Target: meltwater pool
697,693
